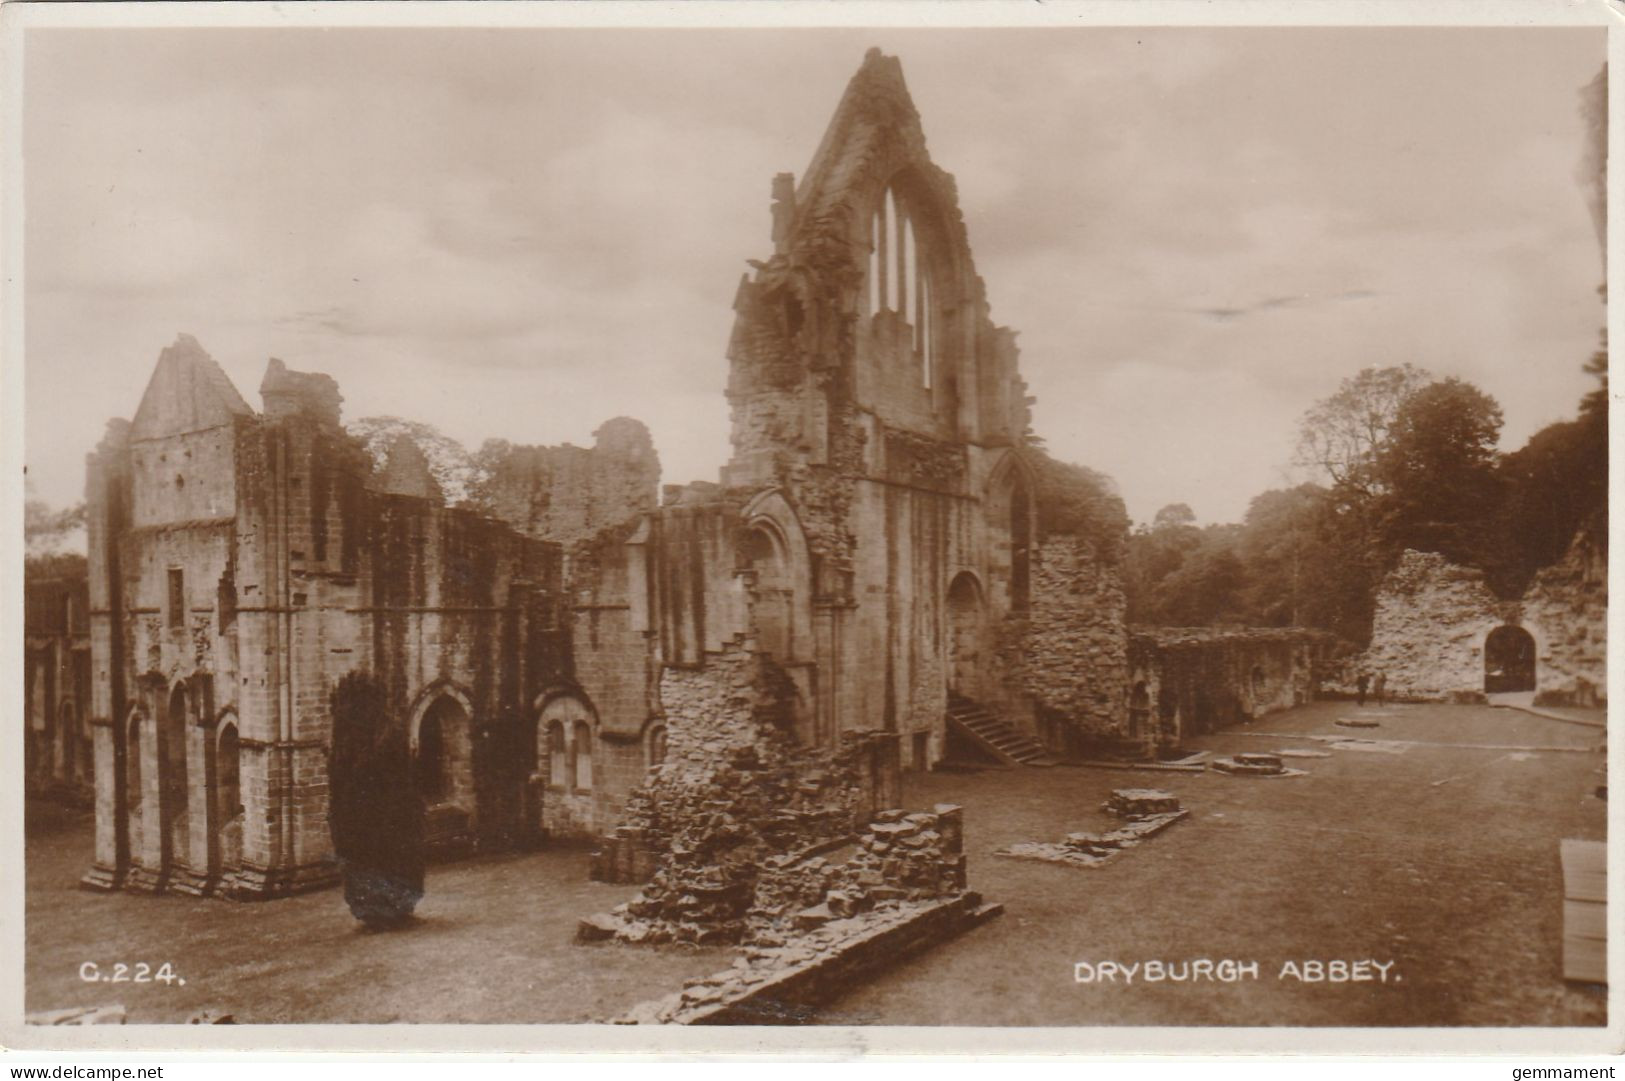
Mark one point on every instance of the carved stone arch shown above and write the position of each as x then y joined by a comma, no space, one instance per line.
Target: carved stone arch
565,732
225,807
440,736
773,551
442,687
966,608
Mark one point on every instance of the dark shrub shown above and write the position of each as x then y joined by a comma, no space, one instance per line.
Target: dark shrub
376,815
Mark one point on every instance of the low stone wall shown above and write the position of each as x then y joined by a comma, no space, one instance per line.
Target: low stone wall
785,985
1185,681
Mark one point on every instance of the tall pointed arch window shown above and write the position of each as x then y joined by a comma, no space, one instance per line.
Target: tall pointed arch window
899,280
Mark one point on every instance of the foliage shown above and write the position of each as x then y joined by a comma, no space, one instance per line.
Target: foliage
1435,472
1410,464
45,531
1076,500
453,467
1340,436
376,815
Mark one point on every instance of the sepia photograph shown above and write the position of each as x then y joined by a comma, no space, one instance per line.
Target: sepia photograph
577,518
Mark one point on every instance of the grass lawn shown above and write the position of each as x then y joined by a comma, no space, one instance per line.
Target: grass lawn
1456,883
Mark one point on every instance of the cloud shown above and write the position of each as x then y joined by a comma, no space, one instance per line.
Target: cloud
520,234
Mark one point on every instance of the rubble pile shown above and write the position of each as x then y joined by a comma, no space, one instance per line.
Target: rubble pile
1139,802
1255,765
902,856
739,851
1148,811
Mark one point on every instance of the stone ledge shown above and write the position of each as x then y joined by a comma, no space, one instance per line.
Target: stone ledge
787,984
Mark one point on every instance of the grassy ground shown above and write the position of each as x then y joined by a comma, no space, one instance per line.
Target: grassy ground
1457,883
1366,857
493,945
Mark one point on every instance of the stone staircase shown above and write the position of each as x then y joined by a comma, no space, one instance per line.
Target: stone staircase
996,736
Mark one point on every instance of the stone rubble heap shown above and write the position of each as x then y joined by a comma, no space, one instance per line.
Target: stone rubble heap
901,857
1139,802
1255,765
1148,811
749,855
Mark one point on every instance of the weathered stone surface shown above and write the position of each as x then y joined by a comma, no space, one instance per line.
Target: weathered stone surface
1433,620
1138,802
1186,681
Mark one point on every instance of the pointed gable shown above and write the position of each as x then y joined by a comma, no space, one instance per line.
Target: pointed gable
406,471
188,392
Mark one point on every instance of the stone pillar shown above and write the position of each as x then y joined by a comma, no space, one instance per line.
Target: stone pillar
147,871
107,872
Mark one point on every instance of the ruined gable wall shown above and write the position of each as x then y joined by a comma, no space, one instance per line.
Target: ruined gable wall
1569,602
570,494
1428,632
1070,652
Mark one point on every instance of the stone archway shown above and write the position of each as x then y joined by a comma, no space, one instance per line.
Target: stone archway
772,593
228,798
1509,660
442,756
966,612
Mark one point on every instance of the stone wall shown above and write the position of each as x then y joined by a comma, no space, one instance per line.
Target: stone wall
1186,681
1569,603
734,790
1070,653
58,748
570,494
1433,619
262,559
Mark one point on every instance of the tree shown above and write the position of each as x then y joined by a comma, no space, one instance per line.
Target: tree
1340,436
1153,553
46,535
1436,473
453,467
375,813
1206,588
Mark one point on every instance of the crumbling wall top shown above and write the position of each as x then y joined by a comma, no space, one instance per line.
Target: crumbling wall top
289,393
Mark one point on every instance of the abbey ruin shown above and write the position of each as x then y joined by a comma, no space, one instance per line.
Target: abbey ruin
874,553
888,573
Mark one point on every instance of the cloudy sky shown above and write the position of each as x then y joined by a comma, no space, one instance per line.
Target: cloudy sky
1197,232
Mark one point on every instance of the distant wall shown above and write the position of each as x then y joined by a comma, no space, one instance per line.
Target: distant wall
1433,619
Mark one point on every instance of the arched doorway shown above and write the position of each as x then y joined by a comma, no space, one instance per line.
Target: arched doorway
964,636
228,795
1509,660
772,593
1167,716
442,759
173,788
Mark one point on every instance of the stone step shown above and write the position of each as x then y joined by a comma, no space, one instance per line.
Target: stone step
996,736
